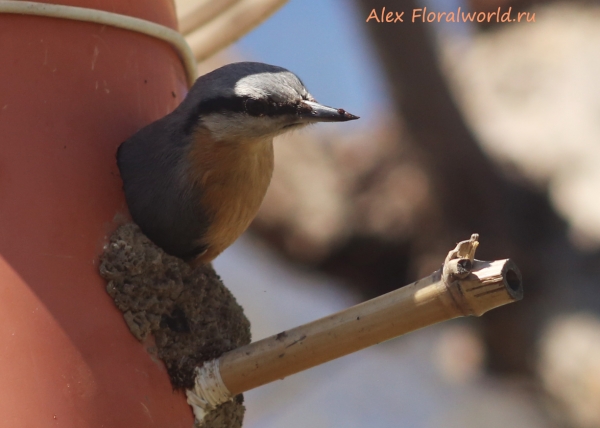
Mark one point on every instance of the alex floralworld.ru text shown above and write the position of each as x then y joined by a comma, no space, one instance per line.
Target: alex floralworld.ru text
422,15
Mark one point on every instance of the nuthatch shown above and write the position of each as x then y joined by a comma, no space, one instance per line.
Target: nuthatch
194,180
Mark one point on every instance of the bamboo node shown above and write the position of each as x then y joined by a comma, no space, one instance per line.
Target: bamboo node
476,286
459,261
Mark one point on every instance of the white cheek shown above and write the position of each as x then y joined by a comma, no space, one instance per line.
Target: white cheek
242,126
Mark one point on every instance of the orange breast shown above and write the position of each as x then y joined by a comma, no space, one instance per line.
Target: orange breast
234,178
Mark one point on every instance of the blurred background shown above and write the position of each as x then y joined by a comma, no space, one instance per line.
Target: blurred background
491,128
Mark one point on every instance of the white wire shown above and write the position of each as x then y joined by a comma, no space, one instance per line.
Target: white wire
172,37
209,390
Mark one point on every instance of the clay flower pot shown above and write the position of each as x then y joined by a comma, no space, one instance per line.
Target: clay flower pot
70,93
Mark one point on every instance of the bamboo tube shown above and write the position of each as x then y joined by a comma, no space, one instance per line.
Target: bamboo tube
229,25
436,298
200,12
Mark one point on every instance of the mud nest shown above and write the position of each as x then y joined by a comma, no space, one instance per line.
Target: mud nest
189,312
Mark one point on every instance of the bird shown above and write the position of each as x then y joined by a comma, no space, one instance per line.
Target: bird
195,179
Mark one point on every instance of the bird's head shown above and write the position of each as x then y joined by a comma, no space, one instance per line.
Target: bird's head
248,101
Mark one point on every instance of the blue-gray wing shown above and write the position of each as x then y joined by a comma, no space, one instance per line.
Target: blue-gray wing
161,199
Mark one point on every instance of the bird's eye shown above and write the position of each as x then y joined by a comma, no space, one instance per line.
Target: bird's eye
256,107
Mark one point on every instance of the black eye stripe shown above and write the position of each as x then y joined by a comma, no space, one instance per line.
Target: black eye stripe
270,108
251,106
258,107
254,107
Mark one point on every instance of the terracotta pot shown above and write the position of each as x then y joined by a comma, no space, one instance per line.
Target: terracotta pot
70,93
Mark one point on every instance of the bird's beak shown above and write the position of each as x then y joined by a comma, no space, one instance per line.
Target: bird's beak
315,112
